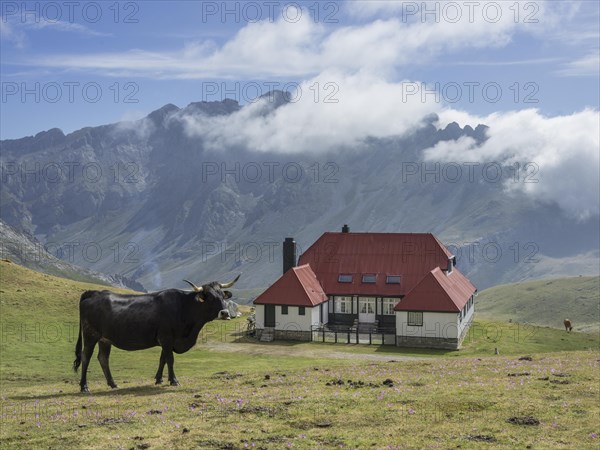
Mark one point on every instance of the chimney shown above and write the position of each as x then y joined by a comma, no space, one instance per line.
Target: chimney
289,254
345,229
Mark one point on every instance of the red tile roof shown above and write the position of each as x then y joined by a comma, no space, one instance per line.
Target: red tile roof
410,255
438,292
297,287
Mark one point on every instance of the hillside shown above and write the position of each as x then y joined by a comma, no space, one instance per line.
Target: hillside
236,393
27,251
545,303
156,203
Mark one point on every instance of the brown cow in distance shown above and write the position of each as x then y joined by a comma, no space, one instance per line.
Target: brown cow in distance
568,325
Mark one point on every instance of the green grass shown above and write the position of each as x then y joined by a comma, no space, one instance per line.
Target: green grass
236,393
545,303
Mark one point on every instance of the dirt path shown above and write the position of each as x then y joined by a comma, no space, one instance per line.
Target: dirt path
303,350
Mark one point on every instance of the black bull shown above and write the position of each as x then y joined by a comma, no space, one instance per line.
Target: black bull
171,319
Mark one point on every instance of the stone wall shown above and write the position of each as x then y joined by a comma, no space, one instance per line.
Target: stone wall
427,342
288,335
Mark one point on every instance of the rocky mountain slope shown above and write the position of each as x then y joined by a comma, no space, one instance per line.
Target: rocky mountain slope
151,201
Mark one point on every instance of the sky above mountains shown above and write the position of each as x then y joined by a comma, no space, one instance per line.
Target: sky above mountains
74,64
528,69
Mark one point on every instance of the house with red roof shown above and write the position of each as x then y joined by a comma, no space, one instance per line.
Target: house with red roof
402,286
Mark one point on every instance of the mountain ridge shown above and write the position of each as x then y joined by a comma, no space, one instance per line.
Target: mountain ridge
161,205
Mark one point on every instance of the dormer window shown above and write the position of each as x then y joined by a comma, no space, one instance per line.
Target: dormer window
392,279
344,278
369,278
450,265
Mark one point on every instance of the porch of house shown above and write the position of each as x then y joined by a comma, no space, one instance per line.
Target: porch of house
357,333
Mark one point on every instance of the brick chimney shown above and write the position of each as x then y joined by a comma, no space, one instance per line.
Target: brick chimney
289,254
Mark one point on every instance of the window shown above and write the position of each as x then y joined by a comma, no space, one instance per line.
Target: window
284,309
369,278
343,305
344,278
450,265
301,310
366,305
388,306
415,319
392,279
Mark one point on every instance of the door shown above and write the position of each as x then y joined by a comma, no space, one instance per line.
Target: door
269,315
366,309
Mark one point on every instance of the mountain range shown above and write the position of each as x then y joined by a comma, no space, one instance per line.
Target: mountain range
155,203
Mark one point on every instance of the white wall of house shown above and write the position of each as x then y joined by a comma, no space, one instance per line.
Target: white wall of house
259,311
292,321
435,324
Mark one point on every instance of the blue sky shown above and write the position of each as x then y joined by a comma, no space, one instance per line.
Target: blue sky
91,63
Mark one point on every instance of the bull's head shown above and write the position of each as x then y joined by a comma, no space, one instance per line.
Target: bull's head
215,297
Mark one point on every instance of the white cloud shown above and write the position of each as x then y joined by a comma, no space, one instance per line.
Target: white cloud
143,127
12,35
588,65
14,31
364,106
63,26
301,49
564,149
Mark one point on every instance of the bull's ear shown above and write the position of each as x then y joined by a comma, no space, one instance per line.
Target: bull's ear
200,297
227,294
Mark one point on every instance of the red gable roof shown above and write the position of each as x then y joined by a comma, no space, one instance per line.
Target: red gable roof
438,292
410,255
297,287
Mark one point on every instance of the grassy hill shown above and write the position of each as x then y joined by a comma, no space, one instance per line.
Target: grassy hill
237,393
27,251
545,303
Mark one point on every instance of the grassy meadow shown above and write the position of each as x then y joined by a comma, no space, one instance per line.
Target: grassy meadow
541,391
545,303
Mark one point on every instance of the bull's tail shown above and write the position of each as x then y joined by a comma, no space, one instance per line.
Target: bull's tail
77,361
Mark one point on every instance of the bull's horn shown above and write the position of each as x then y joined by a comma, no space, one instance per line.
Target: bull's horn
231,283
196,288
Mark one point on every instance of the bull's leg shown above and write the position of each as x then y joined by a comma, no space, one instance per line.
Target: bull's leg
103,355
168,352
89,342
161,365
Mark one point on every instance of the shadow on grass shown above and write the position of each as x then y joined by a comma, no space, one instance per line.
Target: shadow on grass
138,391
244,339
411,351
